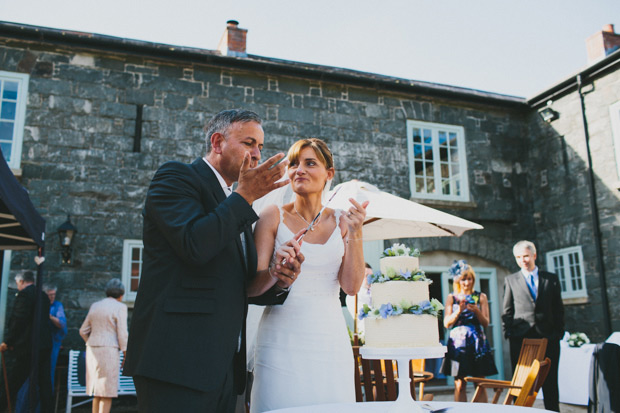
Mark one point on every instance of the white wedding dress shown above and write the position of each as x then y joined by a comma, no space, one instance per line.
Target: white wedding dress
303,352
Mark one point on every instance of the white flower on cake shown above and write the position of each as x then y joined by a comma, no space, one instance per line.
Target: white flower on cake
400,250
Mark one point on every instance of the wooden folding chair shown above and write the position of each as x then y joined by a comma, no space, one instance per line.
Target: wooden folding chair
545,366
532,349
376,380
418,375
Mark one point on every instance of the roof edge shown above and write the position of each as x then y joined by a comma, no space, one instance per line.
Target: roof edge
108,43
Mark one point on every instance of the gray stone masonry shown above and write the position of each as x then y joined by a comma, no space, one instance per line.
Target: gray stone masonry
78,157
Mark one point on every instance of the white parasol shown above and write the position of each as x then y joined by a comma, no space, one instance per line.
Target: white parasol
390,217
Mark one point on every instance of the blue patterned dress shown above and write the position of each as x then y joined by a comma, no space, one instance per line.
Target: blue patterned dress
468,353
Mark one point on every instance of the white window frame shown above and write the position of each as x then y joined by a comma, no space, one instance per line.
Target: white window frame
20,115
614,114
462,161
128,246
564,274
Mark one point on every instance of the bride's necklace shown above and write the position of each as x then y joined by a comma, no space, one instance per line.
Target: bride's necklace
316,224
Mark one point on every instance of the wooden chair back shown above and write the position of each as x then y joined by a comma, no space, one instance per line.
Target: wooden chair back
531,349
527,391
545,366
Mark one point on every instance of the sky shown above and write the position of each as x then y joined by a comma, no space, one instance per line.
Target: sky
513,47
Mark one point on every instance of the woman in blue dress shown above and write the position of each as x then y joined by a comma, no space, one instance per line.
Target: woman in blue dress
466,313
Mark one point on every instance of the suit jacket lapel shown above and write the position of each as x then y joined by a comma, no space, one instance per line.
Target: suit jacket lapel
525,290
542,283
218,192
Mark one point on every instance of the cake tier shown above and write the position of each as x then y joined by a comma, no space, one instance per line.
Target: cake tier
399,264
394,292
405,330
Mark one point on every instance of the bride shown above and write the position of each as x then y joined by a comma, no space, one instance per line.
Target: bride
303,353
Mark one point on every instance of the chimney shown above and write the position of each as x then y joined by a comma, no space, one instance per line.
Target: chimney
602,43
232,42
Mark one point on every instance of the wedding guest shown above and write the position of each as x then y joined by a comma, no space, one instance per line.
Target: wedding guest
303,352
59,331
533,308
59,324
466,313
18,341
105,332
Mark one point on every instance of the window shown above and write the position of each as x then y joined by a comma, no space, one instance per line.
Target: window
13,95
614,113
567,263
437,164
132,267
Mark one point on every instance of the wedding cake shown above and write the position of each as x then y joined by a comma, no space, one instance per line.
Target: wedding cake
400,314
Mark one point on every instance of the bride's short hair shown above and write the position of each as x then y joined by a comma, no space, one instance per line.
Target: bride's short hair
318,146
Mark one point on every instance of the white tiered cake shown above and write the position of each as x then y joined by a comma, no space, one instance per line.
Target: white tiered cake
401,314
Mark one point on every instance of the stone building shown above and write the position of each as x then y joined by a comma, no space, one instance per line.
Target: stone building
89,119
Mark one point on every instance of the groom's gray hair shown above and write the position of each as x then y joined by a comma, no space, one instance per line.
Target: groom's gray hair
222,121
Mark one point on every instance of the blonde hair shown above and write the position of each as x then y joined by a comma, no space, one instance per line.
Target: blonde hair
318,146
456,283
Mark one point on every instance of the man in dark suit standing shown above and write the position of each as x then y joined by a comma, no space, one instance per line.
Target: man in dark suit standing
186,346
19,339
533,308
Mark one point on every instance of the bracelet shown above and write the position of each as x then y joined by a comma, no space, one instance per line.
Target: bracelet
354,239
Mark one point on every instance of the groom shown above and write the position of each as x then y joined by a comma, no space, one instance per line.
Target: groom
186,346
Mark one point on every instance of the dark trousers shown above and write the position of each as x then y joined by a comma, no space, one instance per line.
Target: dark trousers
550,388
155,396
20,373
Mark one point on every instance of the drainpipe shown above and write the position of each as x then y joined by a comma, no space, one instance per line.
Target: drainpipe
594,208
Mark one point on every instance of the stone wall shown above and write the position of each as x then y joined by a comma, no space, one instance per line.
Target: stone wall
78,152
561,199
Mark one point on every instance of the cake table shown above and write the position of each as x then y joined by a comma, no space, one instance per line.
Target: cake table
404,402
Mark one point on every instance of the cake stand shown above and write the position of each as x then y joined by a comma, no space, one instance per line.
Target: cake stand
404,402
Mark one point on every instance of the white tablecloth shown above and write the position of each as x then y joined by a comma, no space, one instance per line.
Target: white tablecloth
573,373
377,407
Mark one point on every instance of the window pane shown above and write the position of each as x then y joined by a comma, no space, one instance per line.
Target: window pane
457,187
10,90
442,138
445,186
135,269
419,185
428,136
430,185
417,138
445,171
134,284
6,131
135,254
6,151
8,110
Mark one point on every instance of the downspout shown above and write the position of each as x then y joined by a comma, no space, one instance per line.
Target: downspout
594,208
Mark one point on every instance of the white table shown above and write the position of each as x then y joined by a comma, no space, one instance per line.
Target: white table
573,373
382,407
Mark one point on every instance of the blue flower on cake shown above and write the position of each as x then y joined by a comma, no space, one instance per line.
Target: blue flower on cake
385,310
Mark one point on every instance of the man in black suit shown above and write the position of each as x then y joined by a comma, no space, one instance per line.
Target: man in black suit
186,346
533,308
18,340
